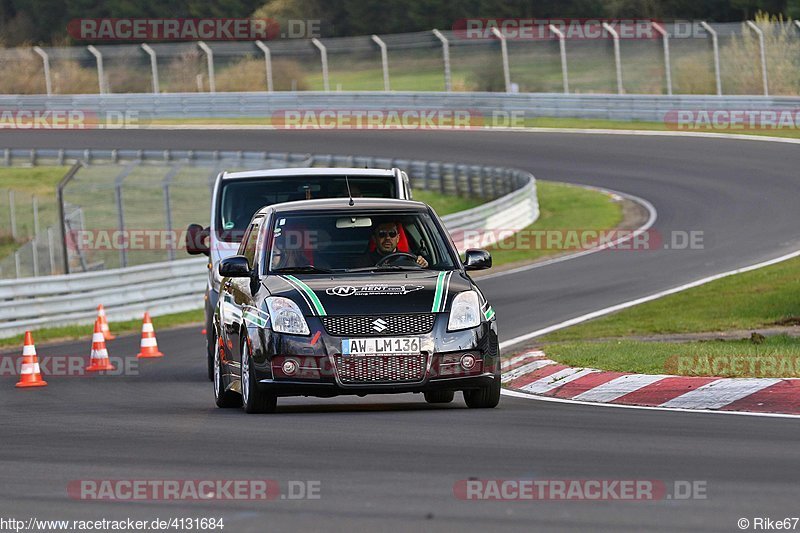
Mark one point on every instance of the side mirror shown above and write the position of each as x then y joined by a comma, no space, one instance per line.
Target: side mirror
235,266
477,260
196,237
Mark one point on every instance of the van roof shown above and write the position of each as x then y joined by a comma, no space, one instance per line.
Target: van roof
305,171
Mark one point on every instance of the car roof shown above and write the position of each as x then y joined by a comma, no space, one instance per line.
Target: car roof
343,204
305,171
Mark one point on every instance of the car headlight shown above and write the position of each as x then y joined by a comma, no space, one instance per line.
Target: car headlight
286,316
466,311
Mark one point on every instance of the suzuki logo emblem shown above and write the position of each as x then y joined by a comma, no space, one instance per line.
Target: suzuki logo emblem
379,325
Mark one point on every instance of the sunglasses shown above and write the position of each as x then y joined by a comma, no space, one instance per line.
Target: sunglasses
391,233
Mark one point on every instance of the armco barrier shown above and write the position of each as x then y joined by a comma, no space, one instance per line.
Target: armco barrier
175,286
266,105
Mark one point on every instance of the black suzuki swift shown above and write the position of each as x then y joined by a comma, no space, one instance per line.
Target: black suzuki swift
352,296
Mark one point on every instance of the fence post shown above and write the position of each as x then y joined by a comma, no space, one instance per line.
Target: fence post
752,26
61,211
323,54
617,58
48,82
13,213
267,62
384,61
168,208
101,76
35,206
17,267
212,79
562,48
51,250
504,54
153,66
123,251
715,45
448,86
35,254
667,67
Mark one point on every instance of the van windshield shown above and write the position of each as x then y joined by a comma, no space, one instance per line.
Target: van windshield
240,199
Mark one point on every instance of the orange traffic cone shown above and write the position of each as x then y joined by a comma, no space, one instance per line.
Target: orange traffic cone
30,375
148,347
99,359
101,316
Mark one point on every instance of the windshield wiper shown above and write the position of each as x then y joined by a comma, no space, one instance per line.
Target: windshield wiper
307,269
384,267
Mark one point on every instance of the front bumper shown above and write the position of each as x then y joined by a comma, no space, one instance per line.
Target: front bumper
323,371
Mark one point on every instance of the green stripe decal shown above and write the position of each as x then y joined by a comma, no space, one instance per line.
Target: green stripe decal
489,313
254,319
437,297
311,295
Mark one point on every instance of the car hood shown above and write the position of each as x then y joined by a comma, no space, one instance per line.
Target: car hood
370,293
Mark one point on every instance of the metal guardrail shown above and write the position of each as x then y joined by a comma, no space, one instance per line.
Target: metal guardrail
175,286
493,108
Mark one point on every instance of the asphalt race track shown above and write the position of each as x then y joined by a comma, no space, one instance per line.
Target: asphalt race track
392,462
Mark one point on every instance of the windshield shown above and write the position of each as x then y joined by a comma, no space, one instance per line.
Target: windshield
240,199
363,241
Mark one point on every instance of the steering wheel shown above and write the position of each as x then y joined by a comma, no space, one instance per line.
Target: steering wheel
392,257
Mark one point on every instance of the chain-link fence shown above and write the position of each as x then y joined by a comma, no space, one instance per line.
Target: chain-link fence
417,62
29,236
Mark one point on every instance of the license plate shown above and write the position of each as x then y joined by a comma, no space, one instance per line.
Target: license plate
381,346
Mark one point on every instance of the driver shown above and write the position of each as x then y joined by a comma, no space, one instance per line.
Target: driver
386,236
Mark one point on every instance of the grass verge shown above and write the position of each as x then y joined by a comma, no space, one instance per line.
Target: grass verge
562,207
777,356
761,298
764,298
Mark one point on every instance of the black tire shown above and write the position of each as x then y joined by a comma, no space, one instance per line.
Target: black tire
485,397
224,398
254,399
440,396
210,361
211,346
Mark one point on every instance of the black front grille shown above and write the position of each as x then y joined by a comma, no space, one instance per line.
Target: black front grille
381,369
379,325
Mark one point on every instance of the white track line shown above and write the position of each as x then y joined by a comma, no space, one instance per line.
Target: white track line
601,312
720,393
516,394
